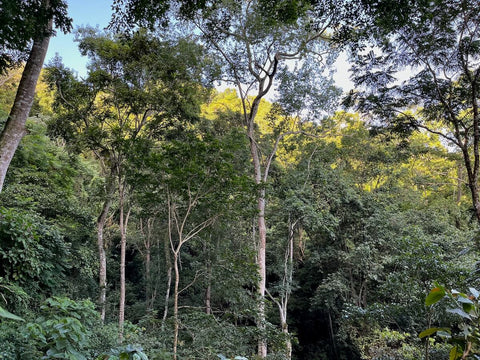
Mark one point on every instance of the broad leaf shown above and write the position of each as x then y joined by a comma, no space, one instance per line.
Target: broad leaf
444,334
460,312
428,332
8,315
468,307
435,295
455,353
464,300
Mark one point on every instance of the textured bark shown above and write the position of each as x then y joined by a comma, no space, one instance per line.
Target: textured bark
460,183
262,269
262,227
14,129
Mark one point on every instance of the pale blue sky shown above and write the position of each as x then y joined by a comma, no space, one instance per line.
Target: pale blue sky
83,12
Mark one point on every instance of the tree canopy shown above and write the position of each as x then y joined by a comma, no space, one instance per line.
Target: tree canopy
151,212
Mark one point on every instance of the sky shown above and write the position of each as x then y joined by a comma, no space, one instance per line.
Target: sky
83,12
98,13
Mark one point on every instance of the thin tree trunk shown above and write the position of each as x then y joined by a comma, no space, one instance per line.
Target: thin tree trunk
168,261
14,129
261,262
123,246
102,273
208,291
175,305
148,280
262,234
332,334
459,183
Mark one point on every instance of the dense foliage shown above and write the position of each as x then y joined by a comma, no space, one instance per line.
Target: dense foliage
129,217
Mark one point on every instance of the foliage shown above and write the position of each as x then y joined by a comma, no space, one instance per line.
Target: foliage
8,315
66,329
34,253
63,329
129,352
438,43
360,220
23,21
463,334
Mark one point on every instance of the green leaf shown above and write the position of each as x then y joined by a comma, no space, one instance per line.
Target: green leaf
8,315
468,307
455,353
444,334
428,332
435,295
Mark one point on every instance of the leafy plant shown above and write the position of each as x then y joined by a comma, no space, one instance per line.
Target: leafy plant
63,329
129,352
464,336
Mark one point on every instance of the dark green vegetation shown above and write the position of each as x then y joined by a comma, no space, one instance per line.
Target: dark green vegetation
146,214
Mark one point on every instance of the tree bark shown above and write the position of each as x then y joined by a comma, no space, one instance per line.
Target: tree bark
148,246
14,129
175,305
208,291
123,246
102,273
460,183
261,262
168,262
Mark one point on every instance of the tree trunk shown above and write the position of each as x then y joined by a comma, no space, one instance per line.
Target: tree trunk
148,279
208,291
168,262
288,341
175,305
14,129
262,269
262,237
460,183
123,247
102,273
332,334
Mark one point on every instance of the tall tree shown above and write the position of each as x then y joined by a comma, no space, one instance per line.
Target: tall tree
137,86
22,23
197,193
254,40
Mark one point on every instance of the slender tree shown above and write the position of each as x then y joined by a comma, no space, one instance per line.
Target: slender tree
22,23
255,46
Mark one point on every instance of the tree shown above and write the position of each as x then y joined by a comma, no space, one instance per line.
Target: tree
24,22
257,41
438,42
254,46
137,87
197,194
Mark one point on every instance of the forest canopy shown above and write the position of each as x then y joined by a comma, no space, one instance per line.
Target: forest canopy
206,191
